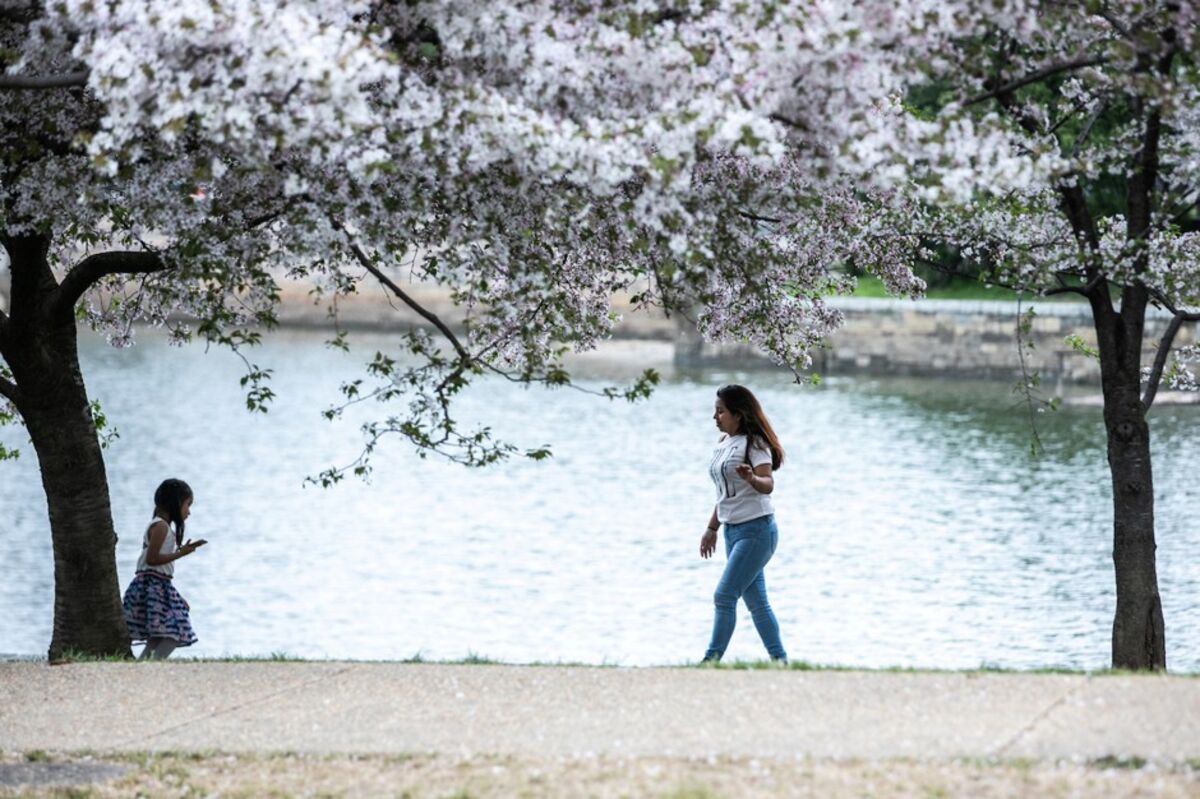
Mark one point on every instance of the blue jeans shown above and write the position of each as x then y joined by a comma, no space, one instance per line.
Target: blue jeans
748,548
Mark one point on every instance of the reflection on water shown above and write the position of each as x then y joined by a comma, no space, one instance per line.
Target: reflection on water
915,530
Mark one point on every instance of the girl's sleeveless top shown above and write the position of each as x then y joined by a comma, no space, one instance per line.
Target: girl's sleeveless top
168,547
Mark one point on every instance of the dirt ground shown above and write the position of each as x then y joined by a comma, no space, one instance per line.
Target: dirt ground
449,777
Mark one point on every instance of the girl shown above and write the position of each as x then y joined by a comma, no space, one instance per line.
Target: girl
741,467
154,610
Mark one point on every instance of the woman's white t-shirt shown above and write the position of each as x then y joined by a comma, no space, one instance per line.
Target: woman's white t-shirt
737,501
168,546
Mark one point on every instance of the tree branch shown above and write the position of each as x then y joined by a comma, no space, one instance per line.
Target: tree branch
1034,77
1084,291
266,218
1064,290
1065,118
758,218
1083,225
1119,26
786,120
39,82
9,390
1161,299
1139,198
1178,218
1139,214
432,318
1160,360
1139,195
25,15
1087,128
90,270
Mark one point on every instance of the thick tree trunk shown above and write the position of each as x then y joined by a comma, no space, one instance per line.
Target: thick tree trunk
1138,638
41,350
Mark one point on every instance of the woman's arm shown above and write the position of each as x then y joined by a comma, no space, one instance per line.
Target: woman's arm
759,477
708,541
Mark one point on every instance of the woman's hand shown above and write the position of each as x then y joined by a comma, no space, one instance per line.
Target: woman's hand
759,478
708,543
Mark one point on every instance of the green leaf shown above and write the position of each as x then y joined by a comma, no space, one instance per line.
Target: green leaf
105,434
1076,343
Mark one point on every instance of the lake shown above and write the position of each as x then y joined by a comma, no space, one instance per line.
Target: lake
916,529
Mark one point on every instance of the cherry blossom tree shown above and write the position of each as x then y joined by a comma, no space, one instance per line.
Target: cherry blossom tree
118,120
165,162
1095,111
1055,145
168,162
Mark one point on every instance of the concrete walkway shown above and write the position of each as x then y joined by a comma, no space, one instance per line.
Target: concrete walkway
463,710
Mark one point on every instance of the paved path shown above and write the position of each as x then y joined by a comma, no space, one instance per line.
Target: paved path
527,710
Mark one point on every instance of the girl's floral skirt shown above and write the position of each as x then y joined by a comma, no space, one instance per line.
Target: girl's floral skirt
154,609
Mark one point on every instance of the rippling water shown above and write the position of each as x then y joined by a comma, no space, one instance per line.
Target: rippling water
915,530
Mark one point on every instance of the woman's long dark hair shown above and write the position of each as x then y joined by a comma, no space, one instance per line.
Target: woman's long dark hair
170,496
752,422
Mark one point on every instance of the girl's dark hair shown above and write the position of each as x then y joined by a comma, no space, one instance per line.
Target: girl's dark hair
752,422
170,496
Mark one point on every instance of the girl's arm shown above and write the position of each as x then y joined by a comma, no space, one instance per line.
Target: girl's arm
158,534
759,478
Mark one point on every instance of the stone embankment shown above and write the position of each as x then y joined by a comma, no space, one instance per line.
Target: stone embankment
957,338
945,338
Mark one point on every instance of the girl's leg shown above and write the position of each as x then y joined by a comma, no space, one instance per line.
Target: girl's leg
148,652
159,649
747,556
764,617
165,647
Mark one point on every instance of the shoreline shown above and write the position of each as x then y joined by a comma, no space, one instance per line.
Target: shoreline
483,661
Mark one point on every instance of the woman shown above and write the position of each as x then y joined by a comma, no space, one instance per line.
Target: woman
742,468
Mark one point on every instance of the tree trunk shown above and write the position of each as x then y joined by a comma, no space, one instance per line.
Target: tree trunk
40,348
1138,638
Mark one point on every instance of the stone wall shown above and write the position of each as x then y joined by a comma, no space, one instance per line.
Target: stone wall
947,337
376,309
956,338
959,338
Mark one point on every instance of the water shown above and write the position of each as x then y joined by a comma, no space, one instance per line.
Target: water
915,530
